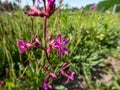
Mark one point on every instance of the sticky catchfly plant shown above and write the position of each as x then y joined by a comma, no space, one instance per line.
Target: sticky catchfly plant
47,45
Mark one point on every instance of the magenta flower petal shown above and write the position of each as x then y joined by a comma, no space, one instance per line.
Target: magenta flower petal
29,45
59,38
65,73
49,50
22,50
46,86
53,75
50,8
49,86
60,45
65,41
56,44
51,2
21,43
24,46
65,50
59,52
72,75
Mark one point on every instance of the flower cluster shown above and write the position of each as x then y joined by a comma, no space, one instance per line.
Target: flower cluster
65,73
27,45
58,44
46,84
47,12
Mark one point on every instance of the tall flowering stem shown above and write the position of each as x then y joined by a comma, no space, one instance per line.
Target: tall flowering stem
48,45
44,35
32,20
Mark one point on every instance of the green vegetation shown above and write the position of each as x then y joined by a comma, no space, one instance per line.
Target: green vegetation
105,5
93,37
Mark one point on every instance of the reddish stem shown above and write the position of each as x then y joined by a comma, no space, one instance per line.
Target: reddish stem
44,33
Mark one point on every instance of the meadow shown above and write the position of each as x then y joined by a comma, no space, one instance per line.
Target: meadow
94,47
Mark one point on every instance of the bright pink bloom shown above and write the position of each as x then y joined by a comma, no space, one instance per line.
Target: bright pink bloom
49,49
60,45
46,84
50,8
94,6
22,44
53,75
51,4
35,12
65,73
29,45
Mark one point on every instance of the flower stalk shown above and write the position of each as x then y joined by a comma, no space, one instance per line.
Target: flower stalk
44,33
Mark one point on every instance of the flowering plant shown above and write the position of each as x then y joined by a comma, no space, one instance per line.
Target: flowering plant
48,45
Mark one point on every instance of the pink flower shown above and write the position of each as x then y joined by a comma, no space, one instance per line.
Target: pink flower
51,4
24,46
50,8
49,49
94,6
46,84
65,73
60,45
53,75
36,41
29,45
35,12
